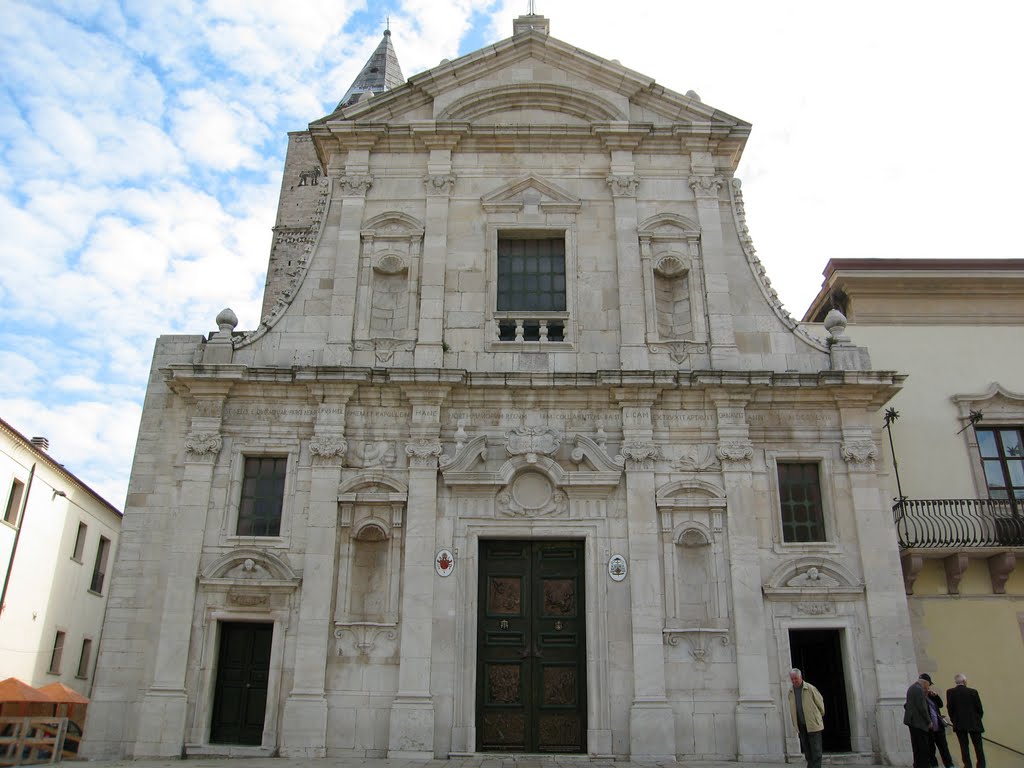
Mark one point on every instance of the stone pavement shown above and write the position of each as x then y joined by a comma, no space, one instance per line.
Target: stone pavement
475,761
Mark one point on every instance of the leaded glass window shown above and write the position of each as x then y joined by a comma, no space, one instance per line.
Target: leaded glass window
800,493
259,511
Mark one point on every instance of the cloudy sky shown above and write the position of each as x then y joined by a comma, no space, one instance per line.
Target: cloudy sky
142,141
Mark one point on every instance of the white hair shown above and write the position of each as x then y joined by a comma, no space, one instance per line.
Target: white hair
795,671
960,678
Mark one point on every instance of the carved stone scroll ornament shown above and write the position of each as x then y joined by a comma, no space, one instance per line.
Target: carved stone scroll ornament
735,452
623,185
203,446
699,640
678,351
327,450
355,184
440,183
423,453
638,454
860,452
531,441
706,186
697,458
363,638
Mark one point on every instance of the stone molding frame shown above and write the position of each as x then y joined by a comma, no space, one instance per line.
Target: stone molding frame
240,451
1001,407
588,108
457,474
812,579
827,466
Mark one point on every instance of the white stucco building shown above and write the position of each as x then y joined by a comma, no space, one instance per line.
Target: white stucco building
525,454
57,543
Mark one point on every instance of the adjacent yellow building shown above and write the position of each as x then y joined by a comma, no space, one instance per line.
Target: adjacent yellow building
956,327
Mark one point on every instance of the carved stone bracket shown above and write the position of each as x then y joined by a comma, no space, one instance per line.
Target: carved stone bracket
912,565
531,441
203,446
735,452
325,449
955,566
638,454
863,452
706,187
440,183
698,639
697,458
678,351
363,637
355,184
623,185
999,569
423,453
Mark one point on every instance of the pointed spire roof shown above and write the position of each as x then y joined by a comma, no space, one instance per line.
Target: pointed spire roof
380,73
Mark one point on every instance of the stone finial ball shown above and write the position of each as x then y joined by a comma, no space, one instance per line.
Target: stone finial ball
835,323
227,319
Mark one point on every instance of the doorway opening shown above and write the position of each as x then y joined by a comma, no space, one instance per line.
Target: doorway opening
818,653
240,696
531,693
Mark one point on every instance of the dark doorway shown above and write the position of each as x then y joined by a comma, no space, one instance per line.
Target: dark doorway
531,693
818,653
240,700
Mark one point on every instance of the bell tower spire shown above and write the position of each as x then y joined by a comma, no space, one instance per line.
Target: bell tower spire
380,73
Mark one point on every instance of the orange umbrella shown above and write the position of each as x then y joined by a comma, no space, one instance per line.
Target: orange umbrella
12,689
61,694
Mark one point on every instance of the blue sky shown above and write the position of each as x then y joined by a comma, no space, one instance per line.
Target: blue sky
142,142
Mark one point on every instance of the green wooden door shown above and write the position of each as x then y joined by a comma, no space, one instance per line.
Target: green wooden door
531,671
243,666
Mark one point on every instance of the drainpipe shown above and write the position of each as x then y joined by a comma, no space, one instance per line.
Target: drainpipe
17,535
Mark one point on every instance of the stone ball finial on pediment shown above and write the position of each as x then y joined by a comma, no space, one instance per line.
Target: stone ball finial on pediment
835,324
226,320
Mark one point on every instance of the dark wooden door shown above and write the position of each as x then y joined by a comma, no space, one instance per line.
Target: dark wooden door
531,671
818,653
240,700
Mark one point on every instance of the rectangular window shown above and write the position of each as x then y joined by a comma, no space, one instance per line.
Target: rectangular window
14,502
80,542
58,652
83,660
99,571
800,493
1002,457
531,288
259,510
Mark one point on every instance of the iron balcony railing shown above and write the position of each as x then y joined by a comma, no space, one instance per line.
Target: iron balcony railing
934,523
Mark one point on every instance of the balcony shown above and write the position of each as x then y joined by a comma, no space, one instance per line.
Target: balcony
956,531
539,327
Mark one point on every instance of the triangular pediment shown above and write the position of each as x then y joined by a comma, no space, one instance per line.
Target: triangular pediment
532,191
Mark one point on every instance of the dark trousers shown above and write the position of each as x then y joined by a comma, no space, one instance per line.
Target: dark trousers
939,742
810,745
965,751
921,743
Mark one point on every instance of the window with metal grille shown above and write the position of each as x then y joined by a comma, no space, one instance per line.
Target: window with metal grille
531,283
1002,457
259,511
99,571
58,652
83,659
800,494
80,542
14,502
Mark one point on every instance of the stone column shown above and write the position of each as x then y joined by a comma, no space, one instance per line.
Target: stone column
352,182
620,142
706,184
892,646
161,731
652,731
758,727
411,733
304,724
439,182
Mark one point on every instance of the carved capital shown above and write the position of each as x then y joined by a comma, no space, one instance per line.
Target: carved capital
440,183
623,185
735,452
860,452
638,454
423,453
706,187
327,450
355,184
531,441
203,446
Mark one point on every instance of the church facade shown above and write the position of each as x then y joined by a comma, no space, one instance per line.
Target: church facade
524,456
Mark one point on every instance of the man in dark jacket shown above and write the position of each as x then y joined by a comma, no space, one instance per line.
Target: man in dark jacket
917,717
964,706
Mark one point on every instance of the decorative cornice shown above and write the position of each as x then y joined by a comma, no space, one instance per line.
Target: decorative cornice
623,185
735,452
638,454
440,183
706,187
203,446
423,453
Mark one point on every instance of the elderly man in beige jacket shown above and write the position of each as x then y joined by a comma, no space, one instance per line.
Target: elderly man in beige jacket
807,709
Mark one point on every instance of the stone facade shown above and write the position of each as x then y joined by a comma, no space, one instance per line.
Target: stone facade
644,416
